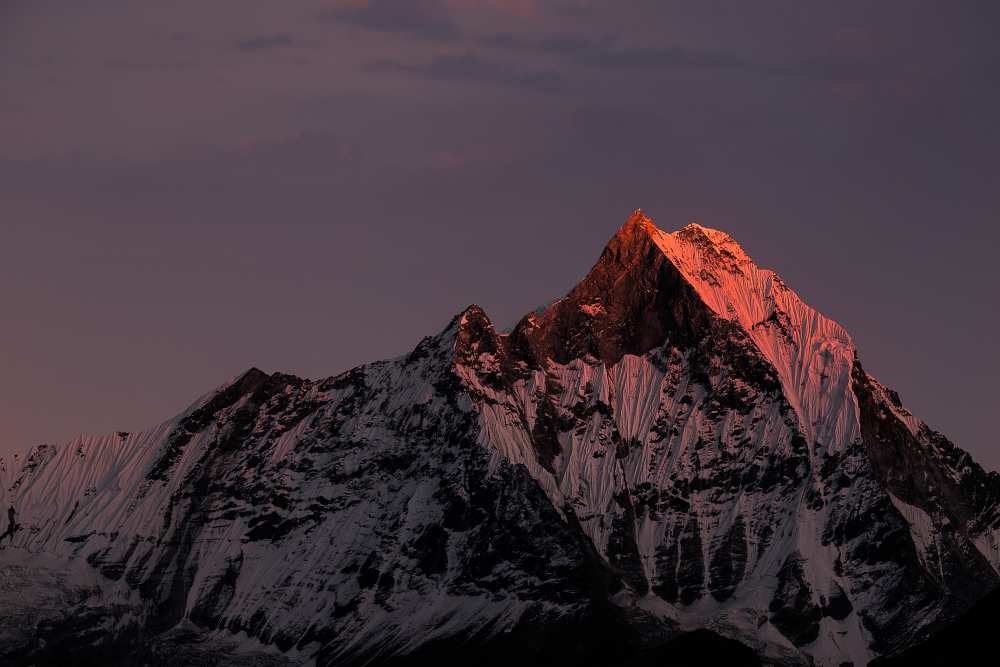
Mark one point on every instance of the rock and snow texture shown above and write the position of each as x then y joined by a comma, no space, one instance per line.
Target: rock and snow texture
678,443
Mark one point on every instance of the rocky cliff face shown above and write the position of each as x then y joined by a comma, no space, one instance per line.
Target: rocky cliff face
678,444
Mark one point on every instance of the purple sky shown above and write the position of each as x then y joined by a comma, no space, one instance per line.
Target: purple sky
191,188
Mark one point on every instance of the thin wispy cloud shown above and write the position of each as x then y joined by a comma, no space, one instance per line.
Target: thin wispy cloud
425,19
607,52
151,65
265,42
471,68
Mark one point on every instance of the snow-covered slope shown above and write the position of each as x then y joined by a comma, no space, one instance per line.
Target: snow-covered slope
679,443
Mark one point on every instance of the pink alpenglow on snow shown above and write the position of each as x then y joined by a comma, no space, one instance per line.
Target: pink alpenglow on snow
679,444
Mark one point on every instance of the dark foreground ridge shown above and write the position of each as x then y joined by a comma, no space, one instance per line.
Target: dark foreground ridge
967,641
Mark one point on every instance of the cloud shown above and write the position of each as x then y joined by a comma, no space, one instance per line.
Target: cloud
516,7
265,42
607,53
151,65
259,180
426,19
469,67
832,70
567,45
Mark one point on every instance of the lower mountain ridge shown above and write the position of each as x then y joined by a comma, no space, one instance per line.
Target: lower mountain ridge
679,462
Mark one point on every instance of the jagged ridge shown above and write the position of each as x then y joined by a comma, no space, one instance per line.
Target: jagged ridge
679,443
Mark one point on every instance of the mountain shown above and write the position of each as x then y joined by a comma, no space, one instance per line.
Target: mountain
680,457
963,642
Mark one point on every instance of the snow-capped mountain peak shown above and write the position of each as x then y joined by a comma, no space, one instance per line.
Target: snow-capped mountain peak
811,352
679,443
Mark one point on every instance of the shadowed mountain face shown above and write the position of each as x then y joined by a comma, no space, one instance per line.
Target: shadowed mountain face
679,459
967,641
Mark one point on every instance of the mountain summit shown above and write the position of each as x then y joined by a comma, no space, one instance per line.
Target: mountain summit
678,453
